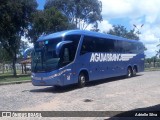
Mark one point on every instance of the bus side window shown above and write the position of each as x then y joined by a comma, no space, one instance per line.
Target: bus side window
110,45
83,48
66,57
118,46
140,48
88,45
73,48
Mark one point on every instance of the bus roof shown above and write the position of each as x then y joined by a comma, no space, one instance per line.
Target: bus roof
82,32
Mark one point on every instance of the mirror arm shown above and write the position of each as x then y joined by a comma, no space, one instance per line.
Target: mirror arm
60,46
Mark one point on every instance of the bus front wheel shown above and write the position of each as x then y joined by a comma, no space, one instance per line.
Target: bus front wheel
82,80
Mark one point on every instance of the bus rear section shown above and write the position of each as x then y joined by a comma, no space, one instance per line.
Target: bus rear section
106,57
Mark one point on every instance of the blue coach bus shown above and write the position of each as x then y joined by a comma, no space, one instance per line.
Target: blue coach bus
78,56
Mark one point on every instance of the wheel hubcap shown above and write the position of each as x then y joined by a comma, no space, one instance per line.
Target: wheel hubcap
129,73
82,79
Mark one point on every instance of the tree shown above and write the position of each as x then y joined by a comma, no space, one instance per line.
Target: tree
95,27
4,57
154,59
15,18
122,31
47,21
79,12
158,52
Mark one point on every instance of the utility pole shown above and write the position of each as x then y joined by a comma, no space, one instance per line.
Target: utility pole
138,29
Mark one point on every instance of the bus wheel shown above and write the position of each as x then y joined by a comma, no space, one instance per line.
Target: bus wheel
129,72
81,80
134,71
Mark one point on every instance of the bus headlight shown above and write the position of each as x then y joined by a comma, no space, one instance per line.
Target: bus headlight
32,75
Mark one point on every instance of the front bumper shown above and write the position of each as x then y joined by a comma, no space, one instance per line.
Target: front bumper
46,79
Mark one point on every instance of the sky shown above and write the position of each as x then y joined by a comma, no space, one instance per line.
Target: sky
129,13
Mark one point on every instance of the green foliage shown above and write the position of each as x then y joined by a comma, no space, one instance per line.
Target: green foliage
79,12
4,56
149,60
152,59
47,21
158,51
122,31
14,17
95,27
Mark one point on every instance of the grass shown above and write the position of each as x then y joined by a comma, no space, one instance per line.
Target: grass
7,77
152,69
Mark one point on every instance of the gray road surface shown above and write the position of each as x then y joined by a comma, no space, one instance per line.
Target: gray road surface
116,94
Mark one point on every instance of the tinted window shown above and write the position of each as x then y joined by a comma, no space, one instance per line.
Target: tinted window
109,45
95,44
140,48
134,47
119,46
88,45
66,56
75,39
128,47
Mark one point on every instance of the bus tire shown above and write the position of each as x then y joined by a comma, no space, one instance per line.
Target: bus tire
129,72
57,87
134,71
82,80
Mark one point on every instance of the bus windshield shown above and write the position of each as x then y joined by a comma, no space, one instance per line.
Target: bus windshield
44,58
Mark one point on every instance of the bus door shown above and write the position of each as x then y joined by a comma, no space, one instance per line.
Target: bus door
66,66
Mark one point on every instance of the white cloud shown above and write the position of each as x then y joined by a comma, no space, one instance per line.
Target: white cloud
150,37
131,8
115,8
89,27
138,12
104,26
151,49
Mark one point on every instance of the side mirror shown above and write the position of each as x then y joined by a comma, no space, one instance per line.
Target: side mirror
60,45
26,52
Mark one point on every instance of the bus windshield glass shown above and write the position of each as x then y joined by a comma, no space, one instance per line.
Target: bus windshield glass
44,58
